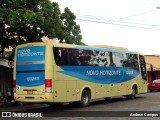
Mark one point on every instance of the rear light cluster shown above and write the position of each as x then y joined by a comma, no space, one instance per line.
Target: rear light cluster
14,86
48,85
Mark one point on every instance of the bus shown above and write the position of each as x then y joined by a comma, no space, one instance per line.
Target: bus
47,72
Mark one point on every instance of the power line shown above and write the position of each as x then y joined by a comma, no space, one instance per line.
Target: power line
117,21
104,22
143,13
112,20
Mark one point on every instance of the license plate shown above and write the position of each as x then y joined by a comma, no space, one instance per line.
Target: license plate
29,92
153,84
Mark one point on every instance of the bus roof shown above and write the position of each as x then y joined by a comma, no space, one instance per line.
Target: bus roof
94,47
110,47
31,44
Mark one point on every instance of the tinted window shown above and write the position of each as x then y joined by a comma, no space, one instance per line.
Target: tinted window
78,57
127,60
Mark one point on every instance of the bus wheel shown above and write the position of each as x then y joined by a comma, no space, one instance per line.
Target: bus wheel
85,98
133,95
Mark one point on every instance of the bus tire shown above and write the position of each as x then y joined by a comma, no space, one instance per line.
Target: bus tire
85,98
134,92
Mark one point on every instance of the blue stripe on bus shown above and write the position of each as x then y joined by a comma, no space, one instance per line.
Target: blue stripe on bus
101,75
28,67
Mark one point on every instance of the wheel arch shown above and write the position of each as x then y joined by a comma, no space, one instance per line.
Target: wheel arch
88,88
136,87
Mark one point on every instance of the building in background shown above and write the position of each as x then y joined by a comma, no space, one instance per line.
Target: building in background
153,67
6,71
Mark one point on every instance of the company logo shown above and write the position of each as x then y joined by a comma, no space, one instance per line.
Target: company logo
28,52
6,114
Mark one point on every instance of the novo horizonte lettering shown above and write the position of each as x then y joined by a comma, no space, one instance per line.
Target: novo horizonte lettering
103,72
27,52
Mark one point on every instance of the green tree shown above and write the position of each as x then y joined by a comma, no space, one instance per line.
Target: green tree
72,32
24,21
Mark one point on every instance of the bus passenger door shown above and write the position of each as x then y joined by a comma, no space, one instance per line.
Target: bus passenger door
143,73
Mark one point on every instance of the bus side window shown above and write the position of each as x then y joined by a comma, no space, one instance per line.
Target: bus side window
72,58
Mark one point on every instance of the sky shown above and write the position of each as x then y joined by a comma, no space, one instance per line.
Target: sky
134,24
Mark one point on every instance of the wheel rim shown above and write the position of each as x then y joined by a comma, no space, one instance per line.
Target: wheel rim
85,99
133,91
